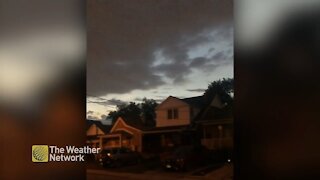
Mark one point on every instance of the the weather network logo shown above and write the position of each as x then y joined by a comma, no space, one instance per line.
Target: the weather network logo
40,153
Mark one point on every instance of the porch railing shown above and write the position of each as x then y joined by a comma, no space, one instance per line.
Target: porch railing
217,143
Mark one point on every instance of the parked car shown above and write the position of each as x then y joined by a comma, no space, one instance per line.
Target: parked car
116,157
222,156
186,157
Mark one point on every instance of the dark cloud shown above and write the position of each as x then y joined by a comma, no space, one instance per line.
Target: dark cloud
89,112
211,50
103,116
115,102
196,90
105,102
123,36
92,117
199,62
208,64
95,116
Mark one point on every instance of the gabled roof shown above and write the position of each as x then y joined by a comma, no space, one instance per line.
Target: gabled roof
169,98
103,127
129,123
197,101
212,113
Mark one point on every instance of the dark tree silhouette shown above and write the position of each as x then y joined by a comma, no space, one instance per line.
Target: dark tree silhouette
148,114
143,112
125,110
224,88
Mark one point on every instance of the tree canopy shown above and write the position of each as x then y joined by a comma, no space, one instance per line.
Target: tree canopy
224,88
144,111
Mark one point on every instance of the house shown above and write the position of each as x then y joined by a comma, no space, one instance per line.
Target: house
173,127
215,123
123,134
178,122
178,112
95,129
130,133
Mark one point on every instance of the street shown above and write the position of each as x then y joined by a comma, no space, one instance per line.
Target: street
135,172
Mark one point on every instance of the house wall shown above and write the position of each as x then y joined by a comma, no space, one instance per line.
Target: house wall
94,130
215,138
135,142
171,103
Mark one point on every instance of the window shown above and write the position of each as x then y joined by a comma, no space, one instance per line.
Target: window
173,114
170,114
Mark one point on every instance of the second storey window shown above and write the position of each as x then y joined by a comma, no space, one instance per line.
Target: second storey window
173,114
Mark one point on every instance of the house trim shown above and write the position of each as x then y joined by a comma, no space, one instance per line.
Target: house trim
163,131
171,97
124,123
122,129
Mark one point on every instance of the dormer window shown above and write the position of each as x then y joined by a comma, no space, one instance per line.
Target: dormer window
173,113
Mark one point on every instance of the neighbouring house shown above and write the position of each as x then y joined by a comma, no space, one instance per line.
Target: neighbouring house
178,122
95,129
178,112
173,127
177,115
123,134
127,132
215,124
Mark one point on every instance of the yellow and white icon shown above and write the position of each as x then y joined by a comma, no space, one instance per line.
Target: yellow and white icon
40,153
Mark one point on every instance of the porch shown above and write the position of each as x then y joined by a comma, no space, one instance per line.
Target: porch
117,139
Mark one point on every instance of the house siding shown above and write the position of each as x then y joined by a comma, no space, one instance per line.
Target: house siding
172,103
94,130
135,142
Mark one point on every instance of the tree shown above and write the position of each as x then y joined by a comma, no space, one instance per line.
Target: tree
148,113
125,110
144,111
224,88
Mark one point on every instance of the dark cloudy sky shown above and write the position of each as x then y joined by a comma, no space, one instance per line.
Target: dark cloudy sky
153,49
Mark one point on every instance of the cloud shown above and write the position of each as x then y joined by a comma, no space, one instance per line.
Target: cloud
196,90
105,102
89,112
92,115
123,36
103,116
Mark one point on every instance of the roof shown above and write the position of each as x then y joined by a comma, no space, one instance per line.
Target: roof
197,101
212,113
137,123
103,127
